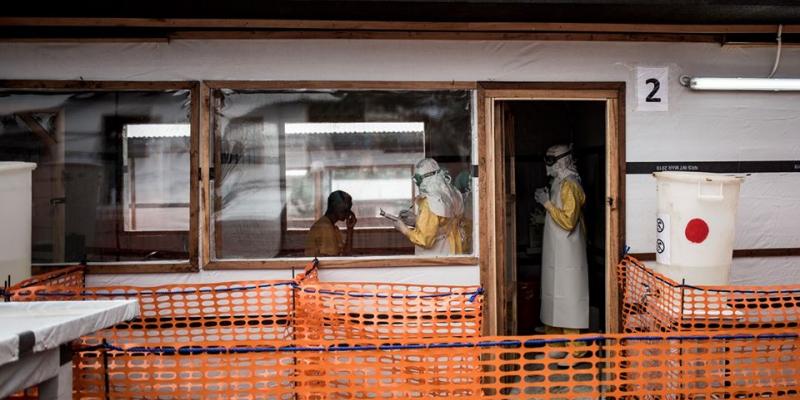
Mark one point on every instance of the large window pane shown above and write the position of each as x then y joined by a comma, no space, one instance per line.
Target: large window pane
156,181
279,154
112,176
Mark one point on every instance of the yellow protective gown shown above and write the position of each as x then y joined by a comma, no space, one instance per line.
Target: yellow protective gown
434,234
572,200
324,239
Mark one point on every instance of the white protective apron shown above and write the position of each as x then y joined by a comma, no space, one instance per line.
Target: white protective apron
565,275
440,247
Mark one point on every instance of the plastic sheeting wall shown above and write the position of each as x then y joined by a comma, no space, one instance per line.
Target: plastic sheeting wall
697,127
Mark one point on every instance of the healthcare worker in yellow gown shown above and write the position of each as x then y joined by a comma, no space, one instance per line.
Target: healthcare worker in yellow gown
565,279
437,226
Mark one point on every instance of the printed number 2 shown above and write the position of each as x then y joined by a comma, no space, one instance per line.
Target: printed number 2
656,86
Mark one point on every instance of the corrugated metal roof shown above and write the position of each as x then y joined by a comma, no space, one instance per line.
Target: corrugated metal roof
133,131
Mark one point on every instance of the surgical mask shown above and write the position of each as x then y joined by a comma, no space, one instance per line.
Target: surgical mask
419,178
550,170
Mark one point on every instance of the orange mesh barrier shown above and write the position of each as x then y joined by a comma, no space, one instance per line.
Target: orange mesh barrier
632,366
308,339
328,310
69,276
184,314
654,303
134,374
231,314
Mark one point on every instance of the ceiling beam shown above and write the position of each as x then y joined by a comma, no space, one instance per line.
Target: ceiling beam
249,24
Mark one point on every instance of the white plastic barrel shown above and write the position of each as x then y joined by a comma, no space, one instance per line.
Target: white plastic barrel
15,220
695,226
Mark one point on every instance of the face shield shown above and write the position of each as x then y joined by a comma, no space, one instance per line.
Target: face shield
419,178
434,184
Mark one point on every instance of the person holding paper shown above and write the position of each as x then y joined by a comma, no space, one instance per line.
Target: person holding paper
324,238
437,228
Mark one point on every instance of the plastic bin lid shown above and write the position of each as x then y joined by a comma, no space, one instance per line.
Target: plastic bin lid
10,166
693,177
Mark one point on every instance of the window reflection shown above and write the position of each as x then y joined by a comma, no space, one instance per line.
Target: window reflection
351,157
279,154
112,182
156,177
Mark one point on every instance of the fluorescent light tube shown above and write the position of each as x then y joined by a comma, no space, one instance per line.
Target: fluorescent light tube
753,84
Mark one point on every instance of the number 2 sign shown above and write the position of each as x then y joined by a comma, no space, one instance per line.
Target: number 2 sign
652,89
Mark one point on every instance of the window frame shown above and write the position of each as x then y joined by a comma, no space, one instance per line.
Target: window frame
129,188
190,265
206,136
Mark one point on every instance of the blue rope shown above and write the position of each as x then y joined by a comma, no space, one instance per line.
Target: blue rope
475,294
472,295
403,347
716,290
194,350
164,293
500,343
294,285
450,345
351,348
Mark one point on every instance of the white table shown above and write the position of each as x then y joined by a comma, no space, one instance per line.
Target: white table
35,336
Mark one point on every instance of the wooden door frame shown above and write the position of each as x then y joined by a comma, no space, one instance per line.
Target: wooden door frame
491,189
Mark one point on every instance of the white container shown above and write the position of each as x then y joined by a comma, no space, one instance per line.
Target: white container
695,226
15,220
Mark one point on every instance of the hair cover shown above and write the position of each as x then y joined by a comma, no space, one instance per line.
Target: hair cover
444,199
565,166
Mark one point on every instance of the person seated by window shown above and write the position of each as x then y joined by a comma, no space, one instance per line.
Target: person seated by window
437,227
324,238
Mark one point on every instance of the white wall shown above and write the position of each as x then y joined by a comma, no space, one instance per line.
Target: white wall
454,275
697,127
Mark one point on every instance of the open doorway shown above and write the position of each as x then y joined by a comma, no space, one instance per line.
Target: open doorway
537,125
519,121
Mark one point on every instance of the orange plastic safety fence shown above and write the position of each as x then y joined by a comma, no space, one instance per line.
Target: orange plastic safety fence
69,276
233,314
632,366
113,374
654,303
185,314
330,310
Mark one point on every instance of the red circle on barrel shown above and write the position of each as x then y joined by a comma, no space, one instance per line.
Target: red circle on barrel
697,230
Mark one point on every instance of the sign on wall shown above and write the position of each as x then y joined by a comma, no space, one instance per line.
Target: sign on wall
663,239
652,88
